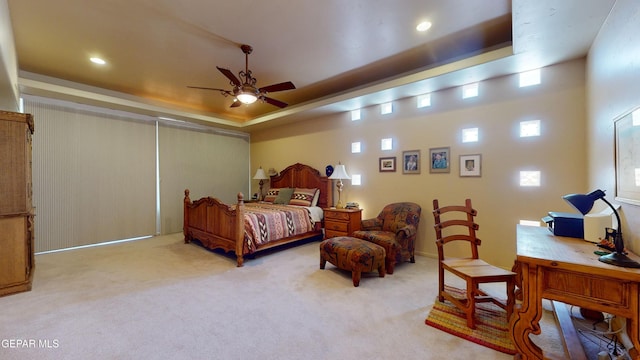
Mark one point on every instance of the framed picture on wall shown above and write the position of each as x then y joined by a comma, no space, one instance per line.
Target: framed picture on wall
439,160
411,162
470,165
387,164
627,143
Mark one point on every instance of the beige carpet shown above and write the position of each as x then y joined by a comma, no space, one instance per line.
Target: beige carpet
161,299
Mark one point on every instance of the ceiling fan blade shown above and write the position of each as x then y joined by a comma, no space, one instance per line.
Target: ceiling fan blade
288,85
230,76
235,103
275,102
206,88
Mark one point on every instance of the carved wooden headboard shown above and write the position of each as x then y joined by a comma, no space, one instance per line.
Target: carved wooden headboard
304,176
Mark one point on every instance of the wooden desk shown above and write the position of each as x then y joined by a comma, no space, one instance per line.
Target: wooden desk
566,269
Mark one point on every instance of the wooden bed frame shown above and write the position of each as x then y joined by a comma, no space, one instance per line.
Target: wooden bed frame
220,226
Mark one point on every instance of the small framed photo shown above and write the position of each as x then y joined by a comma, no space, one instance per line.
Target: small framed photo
411,162
470,165
439,160
387,164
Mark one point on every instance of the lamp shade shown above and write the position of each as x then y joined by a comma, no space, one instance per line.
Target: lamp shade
260,175
339,172
584,202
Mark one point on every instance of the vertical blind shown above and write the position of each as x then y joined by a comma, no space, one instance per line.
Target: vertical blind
206,164
96,175
93,176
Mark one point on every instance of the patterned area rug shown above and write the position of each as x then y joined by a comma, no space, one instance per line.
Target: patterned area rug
492,328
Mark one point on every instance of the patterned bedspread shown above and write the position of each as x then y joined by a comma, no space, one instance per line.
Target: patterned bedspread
268,222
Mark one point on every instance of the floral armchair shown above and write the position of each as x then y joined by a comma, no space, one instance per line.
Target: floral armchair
394,229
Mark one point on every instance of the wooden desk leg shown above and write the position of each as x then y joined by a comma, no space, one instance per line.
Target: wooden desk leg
633,324
525,320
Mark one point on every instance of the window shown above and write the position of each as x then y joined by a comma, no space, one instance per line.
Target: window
635,118
529,78
529,178
530,128
355,147
469,135
355,115
424,100
386,108
470,90
530,222
356,179
386,144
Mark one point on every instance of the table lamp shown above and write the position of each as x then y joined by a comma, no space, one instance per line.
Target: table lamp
339,173
260,175
583,203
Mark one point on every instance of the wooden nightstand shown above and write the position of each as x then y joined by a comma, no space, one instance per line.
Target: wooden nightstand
341,222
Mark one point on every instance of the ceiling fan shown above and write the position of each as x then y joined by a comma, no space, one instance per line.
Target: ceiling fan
246,92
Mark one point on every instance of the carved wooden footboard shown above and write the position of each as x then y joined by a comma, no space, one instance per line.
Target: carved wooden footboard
215,224
220,226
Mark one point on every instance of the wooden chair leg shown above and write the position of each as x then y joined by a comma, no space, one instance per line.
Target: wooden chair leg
471,304
471,323
355,276
440,284
511,297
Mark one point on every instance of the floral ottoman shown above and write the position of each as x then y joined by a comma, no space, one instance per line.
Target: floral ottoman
351,254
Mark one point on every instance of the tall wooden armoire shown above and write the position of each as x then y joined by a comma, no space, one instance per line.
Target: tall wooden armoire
16,205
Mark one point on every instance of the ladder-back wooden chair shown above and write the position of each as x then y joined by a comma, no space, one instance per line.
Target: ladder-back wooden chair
456,223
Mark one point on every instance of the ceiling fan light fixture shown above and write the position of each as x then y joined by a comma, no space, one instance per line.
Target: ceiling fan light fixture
246,97
246,92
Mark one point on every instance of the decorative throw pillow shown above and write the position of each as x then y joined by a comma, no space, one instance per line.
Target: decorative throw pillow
302,197
316,197
272,194
284,196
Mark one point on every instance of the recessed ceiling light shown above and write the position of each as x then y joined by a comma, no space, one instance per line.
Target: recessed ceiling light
423,26
97,60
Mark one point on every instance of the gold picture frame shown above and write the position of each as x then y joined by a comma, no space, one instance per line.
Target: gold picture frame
411,162
439,160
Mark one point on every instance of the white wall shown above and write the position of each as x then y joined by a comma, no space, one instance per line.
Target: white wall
613,88
8,62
